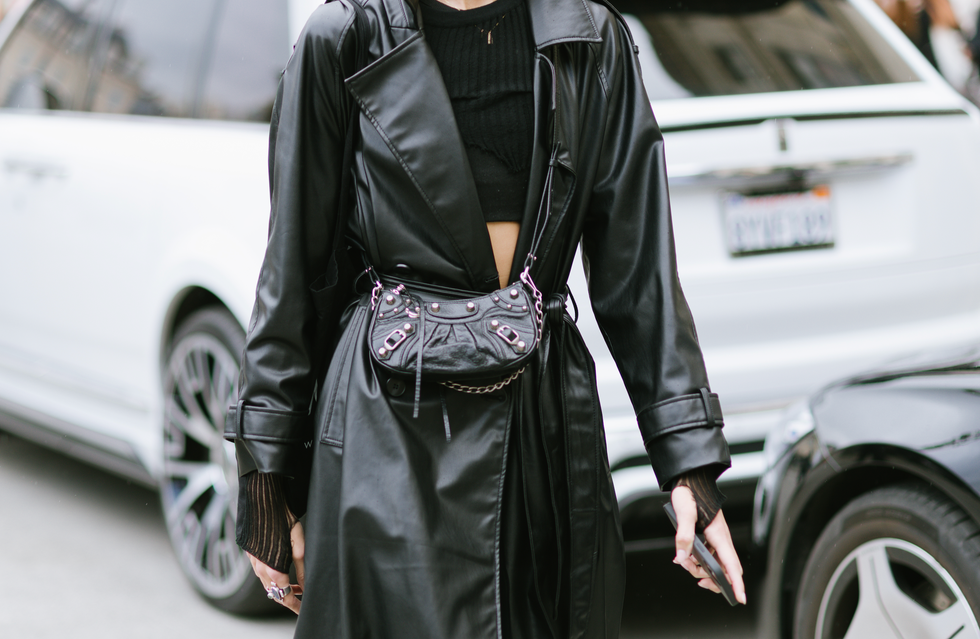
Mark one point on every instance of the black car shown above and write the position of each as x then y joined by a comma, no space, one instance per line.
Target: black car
870,507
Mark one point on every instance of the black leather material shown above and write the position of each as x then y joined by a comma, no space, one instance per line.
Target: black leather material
679,413
460,339
410,535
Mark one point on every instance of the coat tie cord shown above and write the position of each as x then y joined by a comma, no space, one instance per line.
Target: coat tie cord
579,443
554,312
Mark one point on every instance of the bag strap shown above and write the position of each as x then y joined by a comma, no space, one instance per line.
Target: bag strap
544,206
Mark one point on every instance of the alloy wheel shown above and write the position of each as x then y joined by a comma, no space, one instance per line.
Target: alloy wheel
199,488
885,585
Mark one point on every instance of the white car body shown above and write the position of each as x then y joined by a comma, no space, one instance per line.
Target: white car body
84,361
904,272
108,222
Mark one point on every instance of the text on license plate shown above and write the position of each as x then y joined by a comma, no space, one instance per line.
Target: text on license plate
778,221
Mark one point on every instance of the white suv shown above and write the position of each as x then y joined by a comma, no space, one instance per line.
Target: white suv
823,184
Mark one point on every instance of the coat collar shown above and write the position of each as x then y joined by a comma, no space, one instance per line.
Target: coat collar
553,21
557,21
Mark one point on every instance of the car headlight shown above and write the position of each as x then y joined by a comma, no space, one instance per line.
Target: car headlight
797,422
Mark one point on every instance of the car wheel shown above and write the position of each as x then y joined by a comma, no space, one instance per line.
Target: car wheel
902,561
199,487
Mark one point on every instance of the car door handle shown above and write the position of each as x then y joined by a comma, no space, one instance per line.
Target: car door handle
35,169
740,177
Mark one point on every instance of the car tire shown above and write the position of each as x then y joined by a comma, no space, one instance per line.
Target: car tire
199,484
901,561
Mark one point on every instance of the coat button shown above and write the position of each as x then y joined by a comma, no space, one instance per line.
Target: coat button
396,387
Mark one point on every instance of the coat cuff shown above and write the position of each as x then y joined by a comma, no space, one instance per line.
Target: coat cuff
681,452
680,413
684,433
266,439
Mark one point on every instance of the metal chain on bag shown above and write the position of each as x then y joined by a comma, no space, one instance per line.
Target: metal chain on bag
538,299
376,291
483,390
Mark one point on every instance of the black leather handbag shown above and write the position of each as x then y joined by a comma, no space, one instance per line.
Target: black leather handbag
449,337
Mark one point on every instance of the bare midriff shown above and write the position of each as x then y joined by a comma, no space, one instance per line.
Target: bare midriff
503,238
463,5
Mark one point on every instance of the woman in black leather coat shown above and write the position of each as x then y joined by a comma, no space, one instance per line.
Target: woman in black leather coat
509,530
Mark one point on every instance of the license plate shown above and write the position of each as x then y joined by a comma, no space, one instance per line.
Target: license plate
778,221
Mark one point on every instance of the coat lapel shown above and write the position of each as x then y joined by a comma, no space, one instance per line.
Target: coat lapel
404,97
558,21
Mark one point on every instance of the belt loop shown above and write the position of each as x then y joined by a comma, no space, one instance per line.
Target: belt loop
240,421
555,308
568,293
706,398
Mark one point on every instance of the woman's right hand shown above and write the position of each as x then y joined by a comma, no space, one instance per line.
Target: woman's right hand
269,576
719,542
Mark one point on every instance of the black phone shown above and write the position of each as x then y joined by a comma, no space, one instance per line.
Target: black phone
707,560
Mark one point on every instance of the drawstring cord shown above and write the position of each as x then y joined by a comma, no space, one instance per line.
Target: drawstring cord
445,414
418,361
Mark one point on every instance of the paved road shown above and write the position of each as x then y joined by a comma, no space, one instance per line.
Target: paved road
84,555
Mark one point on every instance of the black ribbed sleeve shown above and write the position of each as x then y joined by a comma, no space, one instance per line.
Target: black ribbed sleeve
264,519
704,487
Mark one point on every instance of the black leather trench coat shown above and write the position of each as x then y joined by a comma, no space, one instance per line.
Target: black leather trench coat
511,528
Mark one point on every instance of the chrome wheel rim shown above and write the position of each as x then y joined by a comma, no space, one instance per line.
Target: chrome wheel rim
890,588
200,487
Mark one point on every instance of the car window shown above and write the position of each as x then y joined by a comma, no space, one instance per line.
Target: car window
250,49
717,47
45,62
152,60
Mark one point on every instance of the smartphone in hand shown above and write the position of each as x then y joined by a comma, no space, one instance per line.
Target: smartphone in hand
707,560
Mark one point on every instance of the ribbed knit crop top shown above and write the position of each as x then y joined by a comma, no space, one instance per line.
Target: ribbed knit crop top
486,56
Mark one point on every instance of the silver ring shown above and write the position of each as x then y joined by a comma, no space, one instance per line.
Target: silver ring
276,593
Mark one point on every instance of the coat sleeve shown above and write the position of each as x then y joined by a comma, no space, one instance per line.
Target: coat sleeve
279,364
628,250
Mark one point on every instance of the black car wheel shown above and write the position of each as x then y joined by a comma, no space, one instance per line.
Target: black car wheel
199,487
897,562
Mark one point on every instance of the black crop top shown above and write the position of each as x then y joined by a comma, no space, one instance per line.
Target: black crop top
486,56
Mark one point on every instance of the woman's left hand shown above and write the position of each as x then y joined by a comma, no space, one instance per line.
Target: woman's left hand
271,578
718,540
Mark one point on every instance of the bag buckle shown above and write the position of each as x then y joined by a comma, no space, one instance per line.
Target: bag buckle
512,337
395,339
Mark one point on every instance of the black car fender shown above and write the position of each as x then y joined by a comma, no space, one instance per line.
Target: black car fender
815,481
